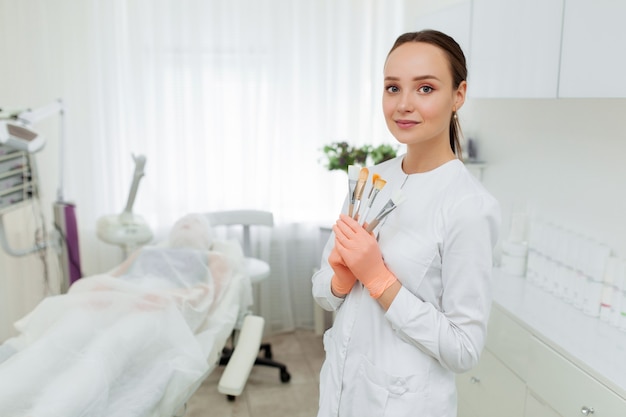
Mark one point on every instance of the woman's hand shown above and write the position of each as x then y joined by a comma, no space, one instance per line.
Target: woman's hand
343,280
360,252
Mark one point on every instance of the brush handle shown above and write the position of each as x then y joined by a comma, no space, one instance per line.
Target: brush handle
358,191
357,206
370,227
362,218
378,218
373,197
351,196
368,205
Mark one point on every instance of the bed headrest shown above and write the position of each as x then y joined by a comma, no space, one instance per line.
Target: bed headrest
230,247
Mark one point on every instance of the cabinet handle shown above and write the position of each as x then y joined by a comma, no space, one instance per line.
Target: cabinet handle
586,410
475,380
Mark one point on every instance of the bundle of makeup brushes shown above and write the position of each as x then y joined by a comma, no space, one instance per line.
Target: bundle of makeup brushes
357,179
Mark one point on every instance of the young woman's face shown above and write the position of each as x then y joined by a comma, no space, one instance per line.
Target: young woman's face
419,96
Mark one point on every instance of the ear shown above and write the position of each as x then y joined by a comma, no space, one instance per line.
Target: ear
459,95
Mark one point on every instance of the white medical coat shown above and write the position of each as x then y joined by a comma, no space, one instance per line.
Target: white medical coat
439,244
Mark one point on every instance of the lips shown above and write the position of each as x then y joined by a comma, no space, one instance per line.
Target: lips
406,124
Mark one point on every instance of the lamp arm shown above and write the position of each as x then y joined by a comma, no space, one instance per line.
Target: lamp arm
140,162
33,116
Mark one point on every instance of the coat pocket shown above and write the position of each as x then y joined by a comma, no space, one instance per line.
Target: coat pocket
376,393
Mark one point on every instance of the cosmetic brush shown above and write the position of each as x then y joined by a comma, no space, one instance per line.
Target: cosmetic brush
374,178
353,176
396,199
360,187
378,185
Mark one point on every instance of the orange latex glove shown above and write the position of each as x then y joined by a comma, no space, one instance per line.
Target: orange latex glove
343,280
360,252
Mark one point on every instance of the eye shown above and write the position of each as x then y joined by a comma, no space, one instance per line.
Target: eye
425,89
392,89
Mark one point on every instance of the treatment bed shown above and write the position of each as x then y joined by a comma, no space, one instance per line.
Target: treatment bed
235,304
142,358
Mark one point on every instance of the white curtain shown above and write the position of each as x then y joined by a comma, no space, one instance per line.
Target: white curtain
230,101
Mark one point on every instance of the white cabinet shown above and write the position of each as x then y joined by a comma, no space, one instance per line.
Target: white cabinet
509,341
464,409
494,387
593,61
453,20
535,407
520,375
567,388
492,390
515,47
538,48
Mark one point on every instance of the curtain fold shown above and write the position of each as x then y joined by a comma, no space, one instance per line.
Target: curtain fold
230,101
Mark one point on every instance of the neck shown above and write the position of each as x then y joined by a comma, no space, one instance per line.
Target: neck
421,158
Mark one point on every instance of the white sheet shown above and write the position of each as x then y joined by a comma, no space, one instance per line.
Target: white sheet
118,347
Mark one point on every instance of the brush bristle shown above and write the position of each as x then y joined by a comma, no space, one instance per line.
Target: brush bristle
379,183
353,172
375,178
363,174
398,197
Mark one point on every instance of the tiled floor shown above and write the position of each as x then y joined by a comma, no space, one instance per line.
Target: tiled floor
265,395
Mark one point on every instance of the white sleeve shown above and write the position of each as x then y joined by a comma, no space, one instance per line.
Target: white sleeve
455,336
321,280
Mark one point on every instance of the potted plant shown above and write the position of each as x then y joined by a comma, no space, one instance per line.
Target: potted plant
339,155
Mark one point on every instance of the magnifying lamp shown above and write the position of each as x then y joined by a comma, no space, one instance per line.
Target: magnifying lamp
20,137
16,130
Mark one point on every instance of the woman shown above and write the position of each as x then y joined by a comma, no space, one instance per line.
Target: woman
412,302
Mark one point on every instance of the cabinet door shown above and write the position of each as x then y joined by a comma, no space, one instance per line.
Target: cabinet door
452,20
508,341
537,408
593,61
515,48
491,390
567,388
465,410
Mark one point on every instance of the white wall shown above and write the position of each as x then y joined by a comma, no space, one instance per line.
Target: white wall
563,158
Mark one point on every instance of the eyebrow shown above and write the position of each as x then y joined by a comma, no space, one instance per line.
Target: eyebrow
419,78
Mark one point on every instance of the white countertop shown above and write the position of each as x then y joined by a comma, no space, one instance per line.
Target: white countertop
593,345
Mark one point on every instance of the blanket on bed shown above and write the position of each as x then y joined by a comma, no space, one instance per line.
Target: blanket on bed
127,345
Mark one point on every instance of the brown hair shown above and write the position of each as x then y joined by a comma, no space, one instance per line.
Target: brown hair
458,68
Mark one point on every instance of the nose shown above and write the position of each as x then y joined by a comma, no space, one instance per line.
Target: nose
405,103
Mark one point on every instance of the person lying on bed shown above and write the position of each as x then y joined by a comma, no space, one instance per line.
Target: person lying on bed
180,269
122,343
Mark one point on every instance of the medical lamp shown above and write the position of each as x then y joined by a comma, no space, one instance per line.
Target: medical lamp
18,139
127,229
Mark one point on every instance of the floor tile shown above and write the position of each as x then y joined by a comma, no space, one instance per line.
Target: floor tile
265,395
